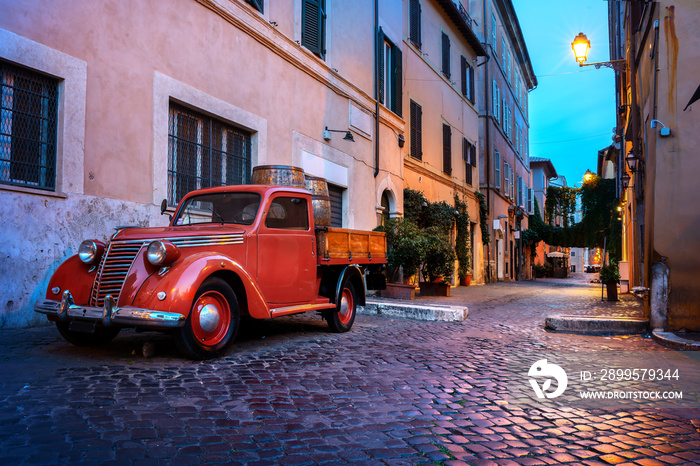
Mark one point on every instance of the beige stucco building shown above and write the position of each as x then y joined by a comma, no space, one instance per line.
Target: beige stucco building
441,108
132,102
504,159
656,160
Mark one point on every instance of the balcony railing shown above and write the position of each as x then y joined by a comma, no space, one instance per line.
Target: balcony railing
465,15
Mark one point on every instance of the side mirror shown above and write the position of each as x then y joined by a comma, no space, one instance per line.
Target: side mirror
163,206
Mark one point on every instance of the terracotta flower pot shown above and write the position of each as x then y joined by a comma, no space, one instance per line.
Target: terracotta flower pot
466,280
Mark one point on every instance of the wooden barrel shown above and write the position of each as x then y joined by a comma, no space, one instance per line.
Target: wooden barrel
278,175
320,200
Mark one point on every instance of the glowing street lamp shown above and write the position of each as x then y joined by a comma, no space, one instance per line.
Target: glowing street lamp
588,176
581,45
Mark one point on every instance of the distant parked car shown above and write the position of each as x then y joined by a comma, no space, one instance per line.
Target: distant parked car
592,268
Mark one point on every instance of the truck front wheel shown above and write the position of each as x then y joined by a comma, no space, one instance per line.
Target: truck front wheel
213,321
342,318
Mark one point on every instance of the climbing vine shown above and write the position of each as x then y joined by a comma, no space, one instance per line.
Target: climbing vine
483,218
599,226
561,201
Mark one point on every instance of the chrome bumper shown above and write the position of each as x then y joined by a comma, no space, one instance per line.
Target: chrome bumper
110,314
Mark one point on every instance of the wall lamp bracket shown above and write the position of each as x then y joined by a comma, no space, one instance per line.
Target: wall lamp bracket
664,131
327,134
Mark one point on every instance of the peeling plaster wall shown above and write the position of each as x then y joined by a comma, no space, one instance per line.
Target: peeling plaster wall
38,234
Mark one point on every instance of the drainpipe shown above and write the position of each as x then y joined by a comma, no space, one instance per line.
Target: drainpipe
376,87
487,144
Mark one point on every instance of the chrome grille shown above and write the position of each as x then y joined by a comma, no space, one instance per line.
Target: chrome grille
113,270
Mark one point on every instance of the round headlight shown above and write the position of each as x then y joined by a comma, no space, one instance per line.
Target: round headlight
156,253
162,253
90,251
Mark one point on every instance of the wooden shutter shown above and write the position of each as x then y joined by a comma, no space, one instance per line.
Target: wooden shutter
465,75
472,155
445,54
397,76
447,149
416,131
467,154
497,169
415,19
313,31
470,78
257,4
336,196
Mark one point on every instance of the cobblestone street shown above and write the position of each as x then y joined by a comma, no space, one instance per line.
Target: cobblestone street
391,391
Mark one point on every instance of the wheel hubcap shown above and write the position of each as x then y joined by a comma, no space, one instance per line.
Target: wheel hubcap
209,317
346,307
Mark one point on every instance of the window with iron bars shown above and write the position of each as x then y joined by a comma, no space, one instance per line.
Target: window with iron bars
204,152
28,127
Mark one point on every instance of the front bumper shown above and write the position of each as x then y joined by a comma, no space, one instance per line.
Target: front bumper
110,314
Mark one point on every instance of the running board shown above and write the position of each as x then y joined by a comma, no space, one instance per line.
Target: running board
283,311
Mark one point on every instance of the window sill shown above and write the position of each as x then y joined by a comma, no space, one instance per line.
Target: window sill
37,192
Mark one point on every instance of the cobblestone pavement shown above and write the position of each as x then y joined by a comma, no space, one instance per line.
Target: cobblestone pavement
391,391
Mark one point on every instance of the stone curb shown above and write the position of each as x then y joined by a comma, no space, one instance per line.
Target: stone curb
596,324
416,312
671,340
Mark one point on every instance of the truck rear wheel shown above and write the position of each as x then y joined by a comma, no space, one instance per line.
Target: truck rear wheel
213,321
342,318
101,335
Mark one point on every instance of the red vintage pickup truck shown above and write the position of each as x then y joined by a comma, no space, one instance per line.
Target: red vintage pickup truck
230,251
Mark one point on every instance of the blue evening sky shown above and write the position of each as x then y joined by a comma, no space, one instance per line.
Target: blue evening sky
572,110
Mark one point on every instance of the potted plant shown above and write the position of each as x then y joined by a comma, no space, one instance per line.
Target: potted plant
405,251
438,263
462,246
610,276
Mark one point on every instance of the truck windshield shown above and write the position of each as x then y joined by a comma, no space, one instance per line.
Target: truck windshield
240,208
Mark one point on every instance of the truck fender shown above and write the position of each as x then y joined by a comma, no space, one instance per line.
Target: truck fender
182,281
353,274
72,275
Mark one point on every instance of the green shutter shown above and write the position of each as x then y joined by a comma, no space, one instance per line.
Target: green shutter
447,149
415,19
313,30
397,76
380,70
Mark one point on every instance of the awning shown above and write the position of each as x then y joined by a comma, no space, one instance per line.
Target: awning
557,254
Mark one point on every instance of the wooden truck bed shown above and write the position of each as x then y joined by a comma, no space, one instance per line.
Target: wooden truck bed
343,246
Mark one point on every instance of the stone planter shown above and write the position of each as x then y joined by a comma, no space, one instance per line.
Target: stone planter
434,289
398,291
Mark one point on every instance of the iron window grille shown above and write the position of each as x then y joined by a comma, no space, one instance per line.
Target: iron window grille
204,152
28,127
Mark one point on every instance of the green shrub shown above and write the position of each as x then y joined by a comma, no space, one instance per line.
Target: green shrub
440,257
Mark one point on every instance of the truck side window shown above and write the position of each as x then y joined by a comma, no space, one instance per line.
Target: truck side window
288,213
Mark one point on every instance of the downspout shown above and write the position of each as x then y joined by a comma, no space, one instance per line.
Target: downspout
376,87
487,143
656,65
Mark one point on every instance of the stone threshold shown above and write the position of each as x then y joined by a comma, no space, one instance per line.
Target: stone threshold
413,311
